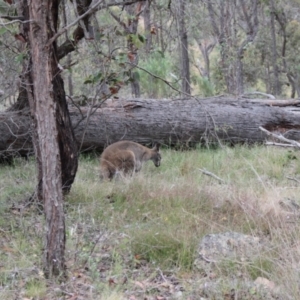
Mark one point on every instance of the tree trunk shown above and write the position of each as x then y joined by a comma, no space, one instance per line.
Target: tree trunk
221,24
50,126
206,47
168,121
251,21
147,25
183,46
69,58
275,85
43,109
133,11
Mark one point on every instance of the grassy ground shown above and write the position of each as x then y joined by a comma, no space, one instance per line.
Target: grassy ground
137,238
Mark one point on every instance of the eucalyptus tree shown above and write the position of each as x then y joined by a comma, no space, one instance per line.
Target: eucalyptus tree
288,30
42,88
235,25
180,14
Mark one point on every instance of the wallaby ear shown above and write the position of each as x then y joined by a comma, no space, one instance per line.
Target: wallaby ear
156,147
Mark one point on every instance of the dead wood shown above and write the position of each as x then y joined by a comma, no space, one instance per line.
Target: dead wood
171,122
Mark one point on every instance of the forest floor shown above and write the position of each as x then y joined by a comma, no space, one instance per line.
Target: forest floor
137,238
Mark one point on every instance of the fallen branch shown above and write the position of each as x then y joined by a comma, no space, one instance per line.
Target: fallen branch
278,144
281,138
259,93
212,175
292,178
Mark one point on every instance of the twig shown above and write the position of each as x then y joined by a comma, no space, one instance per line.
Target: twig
292,178
278,144
161,274
15,21
93,249
207,260
63,30
259,93
157,77
204,171
13,18
280,137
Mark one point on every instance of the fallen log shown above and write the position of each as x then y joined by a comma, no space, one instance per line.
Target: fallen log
171,122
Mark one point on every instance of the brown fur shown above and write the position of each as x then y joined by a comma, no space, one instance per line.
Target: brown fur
126,157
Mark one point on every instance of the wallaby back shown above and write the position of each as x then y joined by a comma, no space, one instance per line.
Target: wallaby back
126,157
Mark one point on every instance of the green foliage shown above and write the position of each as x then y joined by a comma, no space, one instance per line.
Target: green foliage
293,33
205,86
92,79
5,8
3,30
162,66
36,289
162,249
137,39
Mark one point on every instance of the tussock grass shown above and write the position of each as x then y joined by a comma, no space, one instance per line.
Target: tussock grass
124,234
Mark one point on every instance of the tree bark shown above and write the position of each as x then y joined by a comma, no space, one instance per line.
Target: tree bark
52,134
133,12
147,25
276,85
183,46
43,106
175,122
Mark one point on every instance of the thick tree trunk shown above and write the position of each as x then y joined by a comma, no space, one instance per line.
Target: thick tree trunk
44,107
168,121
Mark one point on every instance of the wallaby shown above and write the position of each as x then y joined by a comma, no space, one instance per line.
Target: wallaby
126,157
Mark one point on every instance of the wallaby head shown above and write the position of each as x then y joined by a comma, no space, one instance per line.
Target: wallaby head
155,155
127,157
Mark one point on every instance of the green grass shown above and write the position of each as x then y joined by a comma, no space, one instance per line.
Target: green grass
123,235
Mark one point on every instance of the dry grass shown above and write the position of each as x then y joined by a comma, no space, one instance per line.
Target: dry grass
137,237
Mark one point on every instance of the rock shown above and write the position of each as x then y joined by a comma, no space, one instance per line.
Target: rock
228,245
266,283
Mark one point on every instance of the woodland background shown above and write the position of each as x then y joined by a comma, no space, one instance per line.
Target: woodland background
203,48
138,237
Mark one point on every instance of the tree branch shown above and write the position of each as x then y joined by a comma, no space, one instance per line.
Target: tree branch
204,171
260,93
93,8
281,138
157,77
13,18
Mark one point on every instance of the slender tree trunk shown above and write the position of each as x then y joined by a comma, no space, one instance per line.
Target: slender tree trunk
70,79
160,36
183,46
206,48
147,25
225,17
275,85
221,29
133,11
251,21
69,57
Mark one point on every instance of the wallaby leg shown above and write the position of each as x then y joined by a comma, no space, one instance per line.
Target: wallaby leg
126,162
